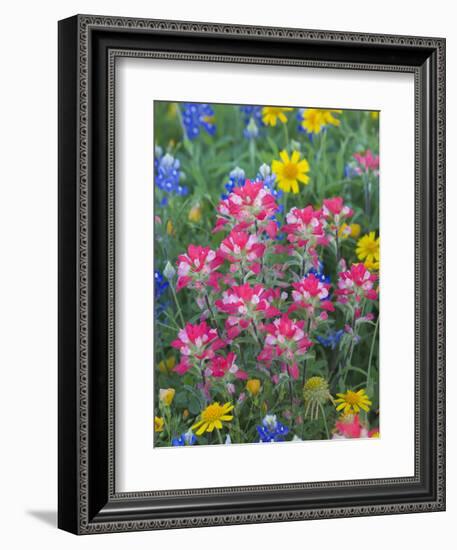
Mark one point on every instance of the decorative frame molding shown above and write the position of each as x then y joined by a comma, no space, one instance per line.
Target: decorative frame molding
88,502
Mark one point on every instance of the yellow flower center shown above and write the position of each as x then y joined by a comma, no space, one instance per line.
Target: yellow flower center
352,398
290,170
371,246
316,383
212,412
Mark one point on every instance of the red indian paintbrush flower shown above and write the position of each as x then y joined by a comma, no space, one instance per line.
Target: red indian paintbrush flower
245,304
253,203
198,267
355,284
336,212
196,343
242,248
220,366
312,294
285,340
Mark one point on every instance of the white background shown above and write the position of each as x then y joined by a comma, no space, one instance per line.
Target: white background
28,305
138,82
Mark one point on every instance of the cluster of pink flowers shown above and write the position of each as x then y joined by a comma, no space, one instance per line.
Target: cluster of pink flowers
220,366
246,304
313,295
242,249
350,427
355,284
367,162
196,343
285,340
244,290
198,268
336,212
251,204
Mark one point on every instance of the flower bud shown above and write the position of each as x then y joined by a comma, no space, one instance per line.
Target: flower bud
169,271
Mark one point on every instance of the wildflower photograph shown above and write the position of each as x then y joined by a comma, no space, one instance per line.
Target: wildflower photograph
266,274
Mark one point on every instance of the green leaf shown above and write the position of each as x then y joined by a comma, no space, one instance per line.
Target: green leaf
194,406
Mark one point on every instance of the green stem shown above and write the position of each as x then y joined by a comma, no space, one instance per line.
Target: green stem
252,154
325,420
173,291
286,134
210,309
371,351
366,187
337,242
219,436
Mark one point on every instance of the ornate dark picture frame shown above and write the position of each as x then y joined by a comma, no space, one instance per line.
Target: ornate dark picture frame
88,47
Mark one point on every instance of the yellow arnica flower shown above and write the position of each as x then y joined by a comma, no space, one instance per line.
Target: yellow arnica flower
166,396
212,417
346,230
270,115
315,119
167,365
170,228
290,170
372,266
253,386
158,424
351,402
195,213
172,110
368,250
374,115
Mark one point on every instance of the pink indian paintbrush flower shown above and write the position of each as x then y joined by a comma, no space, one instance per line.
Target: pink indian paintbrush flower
197,342
305,226
367,161
336,212
245,304
305,229
312,294
285,340
241,247
219,366
355,284
349,427
198,268
251,204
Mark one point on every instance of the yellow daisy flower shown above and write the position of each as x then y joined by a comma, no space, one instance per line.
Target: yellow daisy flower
270,115
170,228
167,365
166,396
315,119
290,170
212,417
158,424
195,213
352,402
374,115
172,110
372,265
368,250
346,230
253,386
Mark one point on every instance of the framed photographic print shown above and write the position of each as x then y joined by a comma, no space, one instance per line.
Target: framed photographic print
251,274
